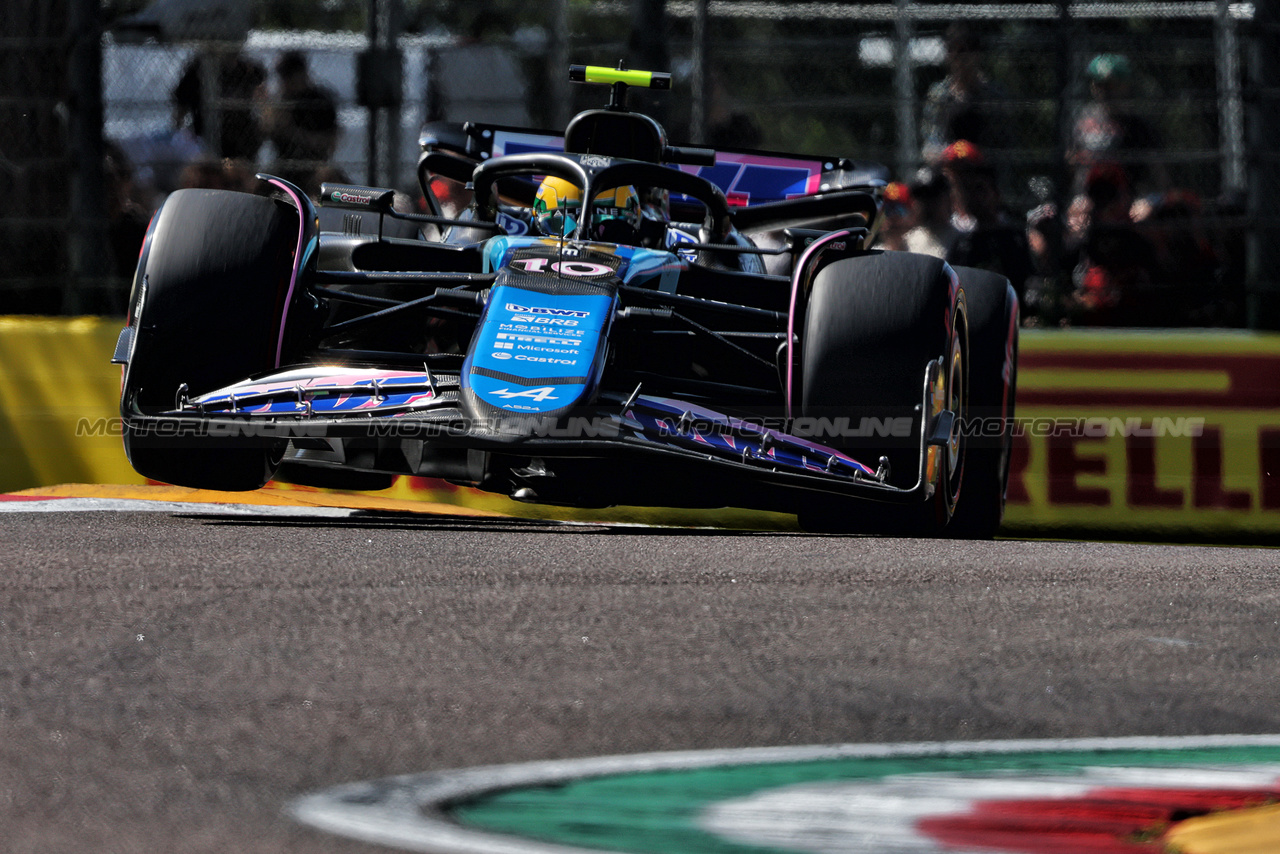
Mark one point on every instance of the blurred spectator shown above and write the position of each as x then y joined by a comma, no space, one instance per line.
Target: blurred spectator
159,158
899,217
1116,272
1106,131
162,159
303,124
1048,287
241,83
1173,220
965,104
1188,265
933,234
963,159
1044,237
1078,214
989,237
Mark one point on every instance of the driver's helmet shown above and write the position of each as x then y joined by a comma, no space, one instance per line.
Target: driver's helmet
558,206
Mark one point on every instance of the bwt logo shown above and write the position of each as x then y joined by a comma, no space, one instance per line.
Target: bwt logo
554,312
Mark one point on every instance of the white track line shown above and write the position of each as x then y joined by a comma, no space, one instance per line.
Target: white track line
73,505
407,811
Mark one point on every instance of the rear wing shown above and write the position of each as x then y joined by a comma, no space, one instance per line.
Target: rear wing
745,176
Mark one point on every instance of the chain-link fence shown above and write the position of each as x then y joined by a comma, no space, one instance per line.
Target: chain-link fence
1161,89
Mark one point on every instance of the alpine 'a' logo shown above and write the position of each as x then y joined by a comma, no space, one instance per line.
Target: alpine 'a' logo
539,394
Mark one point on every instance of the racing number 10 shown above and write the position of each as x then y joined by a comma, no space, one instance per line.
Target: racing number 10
579,269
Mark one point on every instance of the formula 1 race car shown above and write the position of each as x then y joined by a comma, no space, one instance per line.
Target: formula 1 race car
588,319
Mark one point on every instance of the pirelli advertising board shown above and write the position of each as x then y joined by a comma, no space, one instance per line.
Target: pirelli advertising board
1138,432
1155,431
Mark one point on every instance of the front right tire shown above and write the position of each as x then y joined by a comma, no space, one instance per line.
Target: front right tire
873,323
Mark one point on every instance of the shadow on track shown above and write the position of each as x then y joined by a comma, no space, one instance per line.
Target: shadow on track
406,521
393,521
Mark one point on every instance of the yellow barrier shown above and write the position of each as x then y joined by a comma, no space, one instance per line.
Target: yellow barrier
1157,432
59,401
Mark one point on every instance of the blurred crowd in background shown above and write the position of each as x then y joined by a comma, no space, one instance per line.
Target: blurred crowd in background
299,123
1131,249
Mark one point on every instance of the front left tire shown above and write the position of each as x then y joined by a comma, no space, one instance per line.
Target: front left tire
208,301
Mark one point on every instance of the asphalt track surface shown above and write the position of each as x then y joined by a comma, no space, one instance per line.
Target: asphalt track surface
170,680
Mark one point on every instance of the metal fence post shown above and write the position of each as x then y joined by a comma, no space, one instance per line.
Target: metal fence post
383,82
558,51
647,48
698,81
1063,118
372,129
209,63
1230,104
89,258
904,95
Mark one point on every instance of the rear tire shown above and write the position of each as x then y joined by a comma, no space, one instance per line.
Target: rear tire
873,324
214,280
993,313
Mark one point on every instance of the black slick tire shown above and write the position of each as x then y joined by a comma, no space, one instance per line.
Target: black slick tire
873,323
207,306
993,378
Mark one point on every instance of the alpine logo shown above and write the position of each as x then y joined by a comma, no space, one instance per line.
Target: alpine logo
539,394
554,312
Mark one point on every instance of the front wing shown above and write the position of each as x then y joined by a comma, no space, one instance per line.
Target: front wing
320,410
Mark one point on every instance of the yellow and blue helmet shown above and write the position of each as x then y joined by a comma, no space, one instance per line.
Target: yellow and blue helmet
558,207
